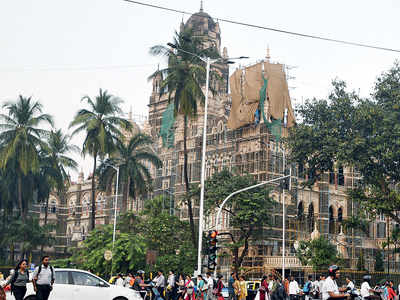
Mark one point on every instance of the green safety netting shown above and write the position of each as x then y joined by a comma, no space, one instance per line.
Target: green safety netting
275,127
167,123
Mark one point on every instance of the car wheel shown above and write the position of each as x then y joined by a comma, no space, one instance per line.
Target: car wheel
120,298
30,298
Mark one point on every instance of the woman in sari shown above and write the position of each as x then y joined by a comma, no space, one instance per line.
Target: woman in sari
189,286
243,288
264,288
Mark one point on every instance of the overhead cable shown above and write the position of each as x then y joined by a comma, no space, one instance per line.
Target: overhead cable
270,28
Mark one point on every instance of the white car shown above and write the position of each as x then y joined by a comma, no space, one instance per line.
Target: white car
72,284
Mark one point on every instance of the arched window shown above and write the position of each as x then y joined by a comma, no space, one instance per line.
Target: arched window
340,214
331,220
300,211
310,217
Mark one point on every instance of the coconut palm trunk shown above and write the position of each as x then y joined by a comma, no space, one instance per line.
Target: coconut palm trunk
187,184
126,195
93,216
20,200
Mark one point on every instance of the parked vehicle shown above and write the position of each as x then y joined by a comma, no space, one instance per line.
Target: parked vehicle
72,284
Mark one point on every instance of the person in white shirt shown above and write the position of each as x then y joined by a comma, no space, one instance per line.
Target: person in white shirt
119,281
366,290
330,289
350,284
320,285
294,289
210,286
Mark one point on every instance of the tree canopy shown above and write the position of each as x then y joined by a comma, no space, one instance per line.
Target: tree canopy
363,134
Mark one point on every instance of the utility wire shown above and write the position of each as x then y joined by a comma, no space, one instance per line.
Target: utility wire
73,68
270,28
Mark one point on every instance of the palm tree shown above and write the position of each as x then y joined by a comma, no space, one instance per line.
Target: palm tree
132,158
102,127
21,140
56,162
184,78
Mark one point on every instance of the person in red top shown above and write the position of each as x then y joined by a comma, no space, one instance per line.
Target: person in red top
263,288
391,293
218,289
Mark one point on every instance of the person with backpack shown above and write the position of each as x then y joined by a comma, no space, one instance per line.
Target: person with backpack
43,279
307,289
18,280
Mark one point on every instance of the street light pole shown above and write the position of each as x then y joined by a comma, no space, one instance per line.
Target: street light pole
208,62
115,216
203,166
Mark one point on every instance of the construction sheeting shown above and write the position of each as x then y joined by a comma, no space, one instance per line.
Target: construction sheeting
246,89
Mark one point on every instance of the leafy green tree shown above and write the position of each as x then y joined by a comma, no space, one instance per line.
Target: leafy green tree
379,267
132,159
249,211
184,78
103,128
129,252
154,229
160,228
359,133
21,138
318,253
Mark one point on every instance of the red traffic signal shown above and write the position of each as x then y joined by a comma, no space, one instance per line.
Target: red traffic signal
213,234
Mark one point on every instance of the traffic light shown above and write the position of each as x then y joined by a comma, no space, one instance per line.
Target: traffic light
285,183
212,249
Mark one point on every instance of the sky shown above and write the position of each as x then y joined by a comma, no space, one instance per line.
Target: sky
59,51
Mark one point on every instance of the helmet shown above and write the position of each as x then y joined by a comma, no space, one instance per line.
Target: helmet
332,270
367,277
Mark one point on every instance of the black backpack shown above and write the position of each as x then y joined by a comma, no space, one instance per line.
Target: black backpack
51,269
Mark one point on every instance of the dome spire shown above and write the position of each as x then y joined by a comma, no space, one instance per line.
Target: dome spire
201,5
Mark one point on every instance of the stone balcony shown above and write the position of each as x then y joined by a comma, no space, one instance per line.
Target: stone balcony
272,262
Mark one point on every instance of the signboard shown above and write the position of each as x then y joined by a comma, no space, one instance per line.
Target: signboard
107,255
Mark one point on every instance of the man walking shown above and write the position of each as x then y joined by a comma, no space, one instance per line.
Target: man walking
43,279
210,286
294,289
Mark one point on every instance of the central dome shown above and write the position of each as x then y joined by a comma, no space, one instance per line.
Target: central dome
199,21
203,26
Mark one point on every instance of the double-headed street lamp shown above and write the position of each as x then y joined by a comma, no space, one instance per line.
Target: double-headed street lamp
208,61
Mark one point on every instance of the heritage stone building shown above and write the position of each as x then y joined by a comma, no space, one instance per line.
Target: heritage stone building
311,212
252,149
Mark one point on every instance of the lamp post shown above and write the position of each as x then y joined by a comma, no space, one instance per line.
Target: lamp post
208,62
115,214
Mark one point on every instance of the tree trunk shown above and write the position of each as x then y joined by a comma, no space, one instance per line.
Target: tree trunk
93,216
12,253
46,214
125,196
187,185
20,201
